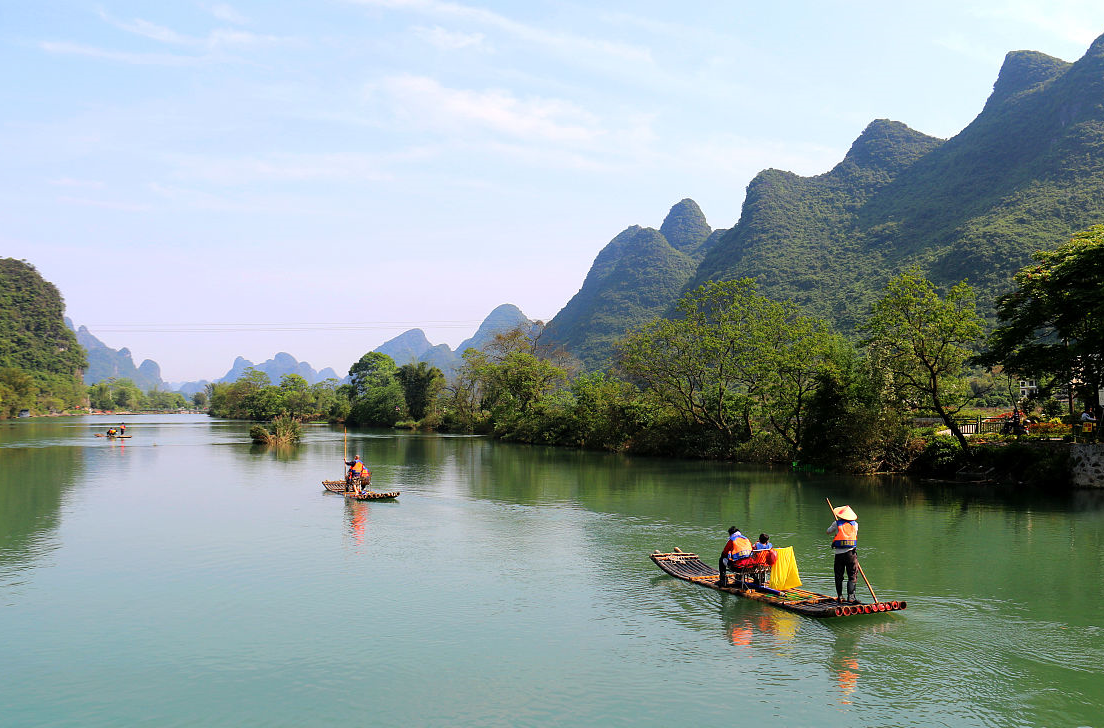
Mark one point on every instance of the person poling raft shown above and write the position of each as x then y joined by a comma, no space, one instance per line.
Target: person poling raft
356,481
358,476
845,542
774,578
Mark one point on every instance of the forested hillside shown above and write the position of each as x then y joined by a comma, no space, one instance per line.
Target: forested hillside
1023,176
635,278
40,359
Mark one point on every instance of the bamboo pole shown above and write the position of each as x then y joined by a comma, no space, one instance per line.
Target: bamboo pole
861,572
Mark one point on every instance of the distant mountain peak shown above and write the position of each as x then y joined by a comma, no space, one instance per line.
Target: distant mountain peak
1023,70
887,145
685,226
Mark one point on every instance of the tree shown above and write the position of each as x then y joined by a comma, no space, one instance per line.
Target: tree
297,401
421,385
372,370
1051,326
925,342
732,362
17,391
376,395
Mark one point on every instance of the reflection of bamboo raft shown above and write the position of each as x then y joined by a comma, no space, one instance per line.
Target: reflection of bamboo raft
689,567
347,490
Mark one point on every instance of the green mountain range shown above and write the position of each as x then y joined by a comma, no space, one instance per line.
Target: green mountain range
1023,176
634,279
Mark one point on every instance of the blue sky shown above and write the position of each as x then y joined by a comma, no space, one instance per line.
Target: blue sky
207,179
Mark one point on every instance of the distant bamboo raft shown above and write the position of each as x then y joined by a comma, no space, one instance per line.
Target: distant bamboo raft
349,491
689,567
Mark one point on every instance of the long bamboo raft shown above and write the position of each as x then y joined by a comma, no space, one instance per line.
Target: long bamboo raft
689,567
340,486
113,437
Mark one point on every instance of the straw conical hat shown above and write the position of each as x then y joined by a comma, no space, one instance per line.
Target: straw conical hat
845,513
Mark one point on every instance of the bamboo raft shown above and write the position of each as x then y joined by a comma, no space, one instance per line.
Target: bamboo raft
340,486
689,567
113,437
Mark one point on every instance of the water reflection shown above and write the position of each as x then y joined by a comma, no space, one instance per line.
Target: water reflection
356,520
747,627
282,453
33,484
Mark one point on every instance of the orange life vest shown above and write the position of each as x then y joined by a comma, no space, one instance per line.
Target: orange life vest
847,535
358,470
741,547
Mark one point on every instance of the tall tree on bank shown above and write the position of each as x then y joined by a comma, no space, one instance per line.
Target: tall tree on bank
421,385
1052,324
925,342
377,397
731,362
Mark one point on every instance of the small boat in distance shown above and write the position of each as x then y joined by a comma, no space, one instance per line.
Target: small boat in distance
113,437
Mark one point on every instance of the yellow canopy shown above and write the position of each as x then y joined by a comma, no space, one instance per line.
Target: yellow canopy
784,572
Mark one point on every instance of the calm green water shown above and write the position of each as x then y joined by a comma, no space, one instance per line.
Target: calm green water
186,578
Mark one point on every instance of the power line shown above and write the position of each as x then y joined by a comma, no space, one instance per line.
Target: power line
214,328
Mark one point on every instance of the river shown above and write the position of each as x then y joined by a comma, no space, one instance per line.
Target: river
184,577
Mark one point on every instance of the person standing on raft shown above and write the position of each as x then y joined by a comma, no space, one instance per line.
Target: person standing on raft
736,553
356,475
845,538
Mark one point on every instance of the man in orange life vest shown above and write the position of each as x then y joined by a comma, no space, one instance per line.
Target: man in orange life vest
845,537
736,553
356,475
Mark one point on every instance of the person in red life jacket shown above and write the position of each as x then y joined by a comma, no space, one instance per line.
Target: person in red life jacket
764,554
736,553
845,538
122,428
357,475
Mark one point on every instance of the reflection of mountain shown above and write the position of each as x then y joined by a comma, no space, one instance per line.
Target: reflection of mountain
33,482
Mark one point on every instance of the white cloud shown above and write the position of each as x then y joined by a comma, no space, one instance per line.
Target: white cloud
139,59
150,30
105,204
422,101
226,13
281,168
449,40
87,184
568,44
1068,20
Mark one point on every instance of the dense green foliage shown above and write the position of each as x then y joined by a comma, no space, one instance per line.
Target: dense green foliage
1051,327
732,362
254,397
40,359
286,430
421,385
925,341
123,394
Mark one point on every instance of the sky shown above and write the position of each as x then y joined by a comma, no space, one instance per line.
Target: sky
203,180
